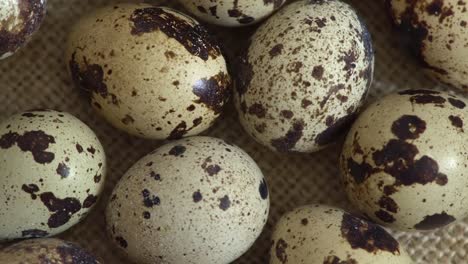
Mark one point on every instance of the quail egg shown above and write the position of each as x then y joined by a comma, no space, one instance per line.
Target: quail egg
305,75
196,200
46,250
19,19
438,34
232,13
404,161
319,234
52,168
150,71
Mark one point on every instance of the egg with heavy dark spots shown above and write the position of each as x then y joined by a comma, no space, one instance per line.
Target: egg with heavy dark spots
404,161
232,13
150,71
305,76
437,32
320,234
195,200
52,172
19,20
46,250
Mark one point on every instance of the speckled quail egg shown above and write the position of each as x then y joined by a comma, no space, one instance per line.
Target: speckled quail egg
196,200
438,34
319,234
52,167
305,75
19,19
46,250
150,71
405,160
232,13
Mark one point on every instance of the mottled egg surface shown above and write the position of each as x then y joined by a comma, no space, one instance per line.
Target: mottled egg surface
52,168
196,200
319,234
46,251
232,13
438,34
19,19
150,71
305,75
405,160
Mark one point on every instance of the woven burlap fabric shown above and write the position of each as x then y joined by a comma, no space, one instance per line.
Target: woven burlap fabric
36,77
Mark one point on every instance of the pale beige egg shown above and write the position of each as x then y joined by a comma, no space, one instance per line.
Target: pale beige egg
305,76
404,162
320,234
150,71
52,173
195,200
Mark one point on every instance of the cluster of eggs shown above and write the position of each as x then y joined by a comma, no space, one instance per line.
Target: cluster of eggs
157,73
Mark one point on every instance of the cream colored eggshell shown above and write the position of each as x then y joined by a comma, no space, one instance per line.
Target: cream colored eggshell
149,82
439,31
232,13
46,250
52,169
196,200
305,75
18,21
405,160
319,234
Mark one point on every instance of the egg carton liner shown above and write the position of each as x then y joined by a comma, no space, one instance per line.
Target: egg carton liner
36,77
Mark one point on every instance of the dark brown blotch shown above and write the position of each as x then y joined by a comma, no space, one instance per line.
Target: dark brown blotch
121,241
456,122
150,200
197,196
257,110
63,170
289,141
337,260
194,38
457,103
62,209
408,127
36,142
368,236
435,221
276,50
318,72
177,151
263,189
280,250
213,92
224,203
89,201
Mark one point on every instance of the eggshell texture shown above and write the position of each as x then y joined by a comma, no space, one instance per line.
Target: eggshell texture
52,167
405,160
150,71
319,234
438,33
19,19
232,13
196,200
305,75
46,250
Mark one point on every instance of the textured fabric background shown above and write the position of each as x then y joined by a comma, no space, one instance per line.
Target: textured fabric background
36,77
